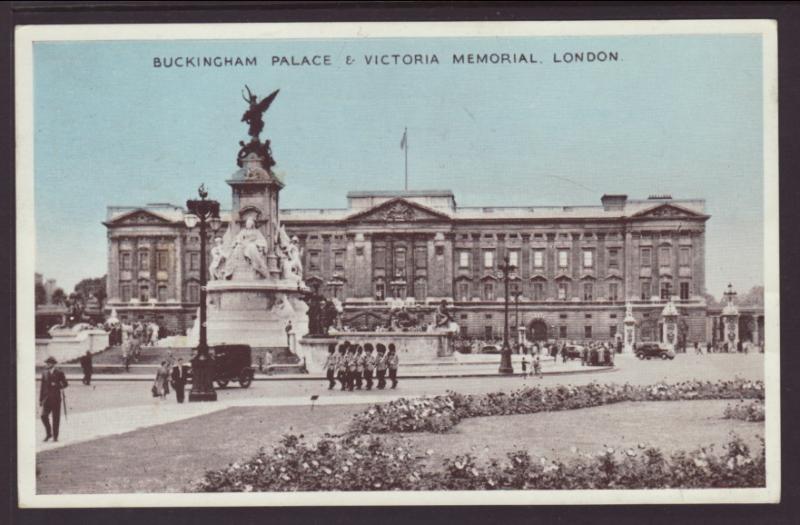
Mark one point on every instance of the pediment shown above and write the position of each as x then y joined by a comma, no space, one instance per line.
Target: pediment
138,218
668,211
398,210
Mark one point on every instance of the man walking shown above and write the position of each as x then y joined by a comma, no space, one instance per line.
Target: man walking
392,362
86,366
179,378
359,374
380,366
289,329
53,382
341,365
369,365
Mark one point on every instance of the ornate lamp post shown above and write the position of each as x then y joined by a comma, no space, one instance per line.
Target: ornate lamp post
730,320
206,212
517,293
505,354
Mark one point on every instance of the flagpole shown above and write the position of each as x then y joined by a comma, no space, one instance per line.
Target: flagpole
405,134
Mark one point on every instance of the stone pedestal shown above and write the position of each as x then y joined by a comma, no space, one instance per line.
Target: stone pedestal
669,334
254,312
629,331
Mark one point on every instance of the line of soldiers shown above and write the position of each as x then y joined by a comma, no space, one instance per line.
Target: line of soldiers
355,366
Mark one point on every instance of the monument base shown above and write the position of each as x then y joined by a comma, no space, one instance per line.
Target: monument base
255,313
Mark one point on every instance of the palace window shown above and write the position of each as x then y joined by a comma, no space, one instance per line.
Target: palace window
646,292
313,260
612,331
587,332
538,291
194,261
488,332
380,291
338,260
664,259
360,251
162,294
685,256
562,331
144,259
588,258
399,291
488,291
666,290
379,258
513,288
420,257
563,290
125,260
613,258
513,258
125,293
399,261
463,291
463,259
420,289
613,291
588,290
538,259
162,257
193,292
335,289
684,291
144,293
488,259
563,259
462,329
440,251
646,257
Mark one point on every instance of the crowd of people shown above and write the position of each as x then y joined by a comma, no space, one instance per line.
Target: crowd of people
355,366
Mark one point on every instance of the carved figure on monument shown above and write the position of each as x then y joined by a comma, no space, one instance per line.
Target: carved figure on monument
218,257
442,317
250,245
290,256
254,117
315,302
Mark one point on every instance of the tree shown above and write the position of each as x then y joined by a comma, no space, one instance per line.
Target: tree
59,297
41,294
95,286
755,297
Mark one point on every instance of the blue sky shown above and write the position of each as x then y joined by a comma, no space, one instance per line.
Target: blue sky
677,114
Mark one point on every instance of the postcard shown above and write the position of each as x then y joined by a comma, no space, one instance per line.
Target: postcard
463,263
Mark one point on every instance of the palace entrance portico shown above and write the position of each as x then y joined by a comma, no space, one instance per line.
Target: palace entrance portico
537,330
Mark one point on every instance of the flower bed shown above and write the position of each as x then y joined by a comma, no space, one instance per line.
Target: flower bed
752,411
442,413
373,463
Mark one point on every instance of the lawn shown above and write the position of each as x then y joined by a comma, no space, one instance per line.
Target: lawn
168,457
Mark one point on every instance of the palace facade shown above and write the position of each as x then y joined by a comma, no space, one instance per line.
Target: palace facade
575,267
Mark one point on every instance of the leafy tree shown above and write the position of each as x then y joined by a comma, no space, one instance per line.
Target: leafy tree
59,297
41,294
95,286
755,297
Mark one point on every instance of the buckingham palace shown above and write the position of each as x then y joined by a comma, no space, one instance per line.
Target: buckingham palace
576,267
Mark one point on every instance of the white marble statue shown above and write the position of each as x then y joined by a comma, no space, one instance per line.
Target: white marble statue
250,245
218,257
290,257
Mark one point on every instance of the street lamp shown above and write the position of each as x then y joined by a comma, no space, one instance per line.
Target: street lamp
517,293
505,354
205,212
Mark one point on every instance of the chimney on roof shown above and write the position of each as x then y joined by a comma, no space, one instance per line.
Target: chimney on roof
613,202
660,197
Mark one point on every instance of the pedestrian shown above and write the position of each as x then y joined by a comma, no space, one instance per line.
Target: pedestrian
739,346
380,366
330,366
341,365
584,356
179,377
50,395
392,362
564,354
369,365
289,329
537,366
86,366
525,364
162,379
708,347
126,354
697,349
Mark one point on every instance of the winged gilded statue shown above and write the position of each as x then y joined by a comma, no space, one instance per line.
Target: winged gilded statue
254,114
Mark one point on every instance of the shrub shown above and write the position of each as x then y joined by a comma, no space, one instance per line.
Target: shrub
441,413
370,463
752,411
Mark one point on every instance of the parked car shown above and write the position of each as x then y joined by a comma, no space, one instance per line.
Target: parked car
573,351
232,363
650,350
490,349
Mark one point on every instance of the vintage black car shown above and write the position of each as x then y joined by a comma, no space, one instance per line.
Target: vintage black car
650,350
232,363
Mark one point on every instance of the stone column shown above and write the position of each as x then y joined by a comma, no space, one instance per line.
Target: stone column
669,317
178,275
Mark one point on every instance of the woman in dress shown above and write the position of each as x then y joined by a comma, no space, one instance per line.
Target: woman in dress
162,380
